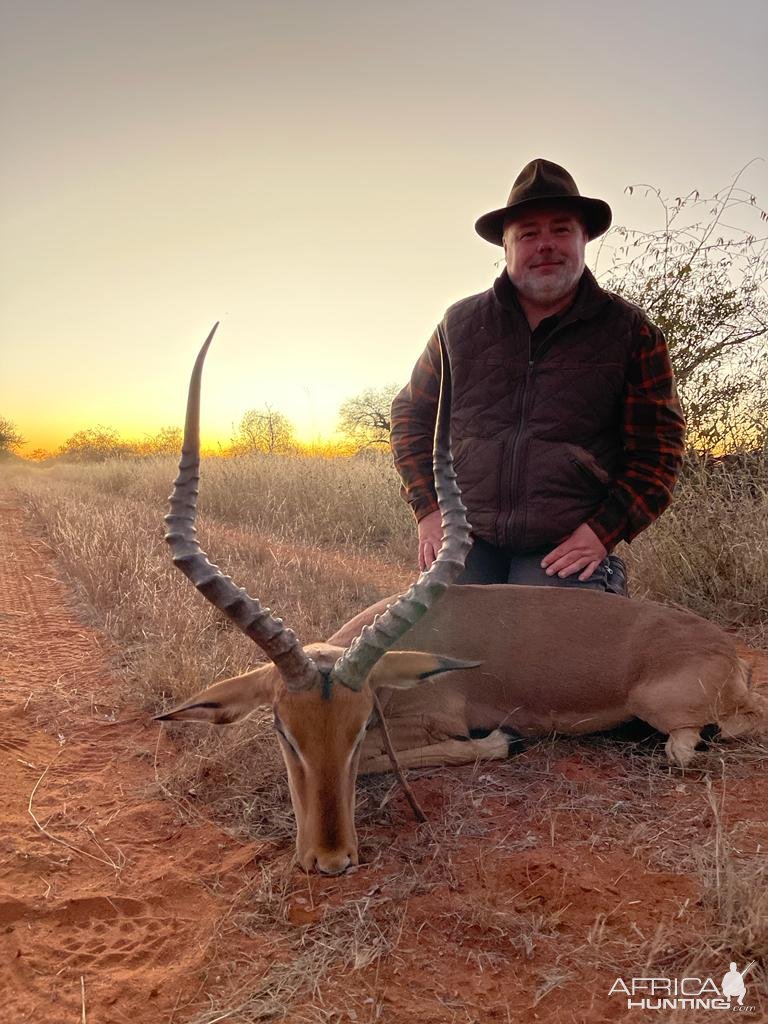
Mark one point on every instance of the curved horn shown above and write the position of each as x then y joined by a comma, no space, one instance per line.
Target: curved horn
278,643
353,666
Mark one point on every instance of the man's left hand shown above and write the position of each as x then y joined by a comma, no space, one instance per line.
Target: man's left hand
583,550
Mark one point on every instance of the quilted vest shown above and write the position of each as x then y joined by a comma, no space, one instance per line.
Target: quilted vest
537,429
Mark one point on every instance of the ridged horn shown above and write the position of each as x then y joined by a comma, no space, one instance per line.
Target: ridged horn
279,643
353,666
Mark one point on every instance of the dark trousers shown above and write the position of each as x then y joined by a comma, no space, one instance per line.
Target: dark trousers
488,564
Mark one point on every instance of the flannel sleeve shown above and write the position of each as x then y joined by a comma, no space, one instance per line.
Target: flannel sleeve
412,423
653,429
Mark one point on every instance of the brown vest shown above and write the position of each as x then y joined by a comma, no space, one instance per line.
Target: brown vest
538,434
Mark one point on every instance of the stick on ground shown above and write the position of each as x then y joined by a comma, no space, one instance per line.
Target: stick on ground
418,814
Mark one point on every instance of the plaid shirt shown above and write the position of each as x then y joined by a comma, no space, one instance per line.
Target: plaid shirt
652,428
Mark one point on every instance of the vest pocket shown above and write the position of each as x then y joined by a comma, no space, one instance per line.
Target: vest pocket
560,491
599,480
477,461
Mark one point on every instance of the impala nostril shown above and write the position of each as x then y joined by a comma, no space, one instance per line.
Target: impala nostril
334,866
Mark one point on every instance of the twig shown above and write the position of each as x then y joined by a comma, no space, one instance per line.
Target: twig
418,814
184,806
82,997
55,839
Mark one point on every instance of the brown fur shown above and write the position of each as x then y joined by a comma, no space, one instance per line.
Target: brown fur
559,660
566,661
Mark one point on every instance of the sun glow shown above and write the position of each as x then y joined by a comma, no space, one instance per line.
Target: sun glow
269,170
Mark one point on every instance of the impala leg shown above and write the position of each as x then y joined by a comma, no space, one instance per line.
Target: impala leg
493,747
681,746
740,725
751,719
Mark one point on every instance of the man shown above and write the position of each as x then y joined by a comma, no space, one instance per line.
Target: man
567,430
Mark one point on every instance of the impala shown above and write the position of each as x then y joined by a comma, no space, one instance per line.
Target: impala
550,659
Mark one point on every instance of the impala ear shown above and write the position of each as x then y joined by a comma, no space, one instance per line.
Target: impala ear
403,670
226,701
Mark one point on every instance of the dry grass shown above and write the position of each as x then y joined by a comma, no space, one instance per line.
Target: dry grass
736,888
709,551
173,642
350,503
633,812
320,561
349,937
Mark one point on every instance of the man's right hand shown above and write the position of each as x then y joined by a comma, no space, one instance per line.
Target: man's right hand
430,539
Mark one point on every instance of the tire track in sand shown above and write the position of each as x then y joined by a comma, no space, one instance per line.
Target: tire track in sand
108,888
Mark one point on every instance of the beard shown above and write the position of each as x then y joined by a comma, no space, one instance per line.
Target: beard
548,289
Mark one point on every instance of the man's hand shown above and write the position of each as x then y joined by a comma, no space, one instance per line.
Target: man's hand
582,550
430,539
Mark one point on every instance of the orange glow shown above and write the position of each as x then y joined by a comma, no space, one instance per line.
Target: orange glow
310,175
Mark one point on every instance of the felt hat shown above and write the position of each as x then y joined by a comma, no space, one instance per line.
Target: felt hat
538,184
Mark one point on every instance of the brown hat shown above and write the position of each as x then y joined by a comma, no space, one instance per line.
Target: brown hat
542,182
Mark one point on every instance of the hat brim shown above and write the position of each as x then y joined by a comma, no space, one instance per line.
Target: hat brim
596,214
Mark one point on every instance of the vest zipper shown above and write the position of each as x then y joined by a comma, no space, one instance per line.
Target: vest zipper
517,523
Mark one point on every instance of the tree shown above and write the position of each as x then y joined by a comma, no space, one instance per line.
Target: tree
38,455
167,441
94,445
264,430
365,419
702,278
10,438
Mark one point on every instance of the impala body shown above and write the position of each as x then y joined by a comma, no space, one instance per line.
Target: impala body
563,660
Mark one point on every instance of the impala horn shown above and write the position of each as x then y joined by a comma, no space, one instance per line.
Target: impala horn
353,666
280,644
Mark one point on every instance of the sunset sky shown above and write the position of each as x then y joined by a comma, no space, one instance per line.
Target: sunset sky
309,174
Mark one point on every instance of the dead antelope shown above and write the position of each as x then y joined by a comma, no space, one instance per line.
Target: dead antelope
552,659
562,660
321,695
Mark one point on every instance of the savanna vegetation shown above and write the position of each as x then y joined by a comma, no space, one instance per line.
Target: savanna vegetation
608,805
318,539
10,438
701,276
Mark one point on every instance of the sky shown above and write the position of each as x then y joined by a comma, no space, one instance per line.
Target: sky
309,174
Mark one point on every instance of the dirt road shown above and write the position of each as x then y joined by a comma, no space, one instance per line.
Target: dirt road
106,905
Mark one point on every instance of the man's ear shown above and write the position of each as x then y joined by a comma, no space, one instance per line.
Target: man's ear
402,670
228,700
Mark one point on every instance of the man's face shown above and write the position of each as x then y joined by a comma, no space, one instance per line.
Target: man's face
544,251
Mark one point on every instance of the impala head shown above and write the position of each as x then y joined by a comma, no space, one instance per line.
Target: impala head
322,697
